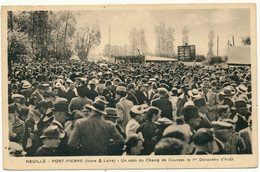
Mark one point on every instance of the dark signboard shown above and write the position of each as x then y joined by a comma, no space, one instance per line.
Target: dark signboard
186,53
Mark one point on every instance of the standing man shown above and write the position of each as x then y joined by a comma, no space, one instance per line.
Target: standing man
60,114
211,100
183,98
131,94
163,103
78,102
94,136
123,106
51,140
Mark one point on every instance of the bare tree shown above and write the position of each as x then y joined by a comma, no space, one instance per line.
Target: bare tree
164,40
211,44
86,39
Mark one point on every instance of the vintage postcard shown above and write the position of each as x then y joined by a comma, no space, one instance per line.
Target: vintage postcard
129,86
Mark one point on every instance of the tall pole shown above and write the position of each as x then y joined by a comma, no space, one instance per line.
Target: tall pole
228,44
217,45
233,40
109,43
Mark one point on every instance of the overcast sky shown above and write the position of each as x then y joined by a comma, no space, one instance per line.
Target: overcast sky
224,22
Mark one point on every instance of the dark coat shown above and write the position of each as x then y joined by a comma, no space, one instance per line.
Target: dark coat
92,94
132,98
141,97
63,149
70,94
43,151
95,136
240,124
165,105
149,131
78,102
180,104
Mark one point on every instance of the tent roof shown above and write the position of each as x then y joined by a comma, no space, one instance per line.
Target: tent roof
154,58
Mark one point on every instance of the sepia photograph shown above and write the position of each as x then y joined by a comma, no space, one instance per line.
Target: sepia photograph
129,86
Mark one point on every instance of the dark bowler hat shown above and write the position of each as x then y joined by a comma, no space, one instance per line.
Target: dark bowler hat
42,103
130,86
52,132
190,112
61,105
199,102
240,103
111,113
12,108
99,106
163,92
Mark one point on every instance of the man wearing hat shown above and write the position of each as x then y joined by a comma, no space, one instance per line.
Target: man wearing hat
191,117
211,99
200,103
46,116
94,135
123,106
60,114
113,117
241,93
149,129
242,115
13,90
163,103
16,125
150,91
71,91
141,94
246,135
92,94
183,98
224,131
51,139
131,94
78,102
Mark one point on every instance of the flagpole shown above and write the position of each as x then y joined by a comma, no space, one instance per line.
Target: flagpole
109,43
217,44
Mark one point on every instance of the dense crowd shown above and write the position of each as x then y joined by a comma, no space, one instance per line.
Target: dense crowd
64,108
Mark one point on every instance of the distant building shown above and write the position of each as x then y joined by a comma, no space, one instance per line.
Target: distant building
142,59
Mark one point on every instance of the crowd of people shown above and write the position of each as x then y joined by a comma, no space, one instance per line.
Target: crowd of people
68,108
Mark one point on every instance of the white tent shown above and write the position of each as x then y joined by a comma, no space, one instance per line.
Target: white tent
239,55
75,57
